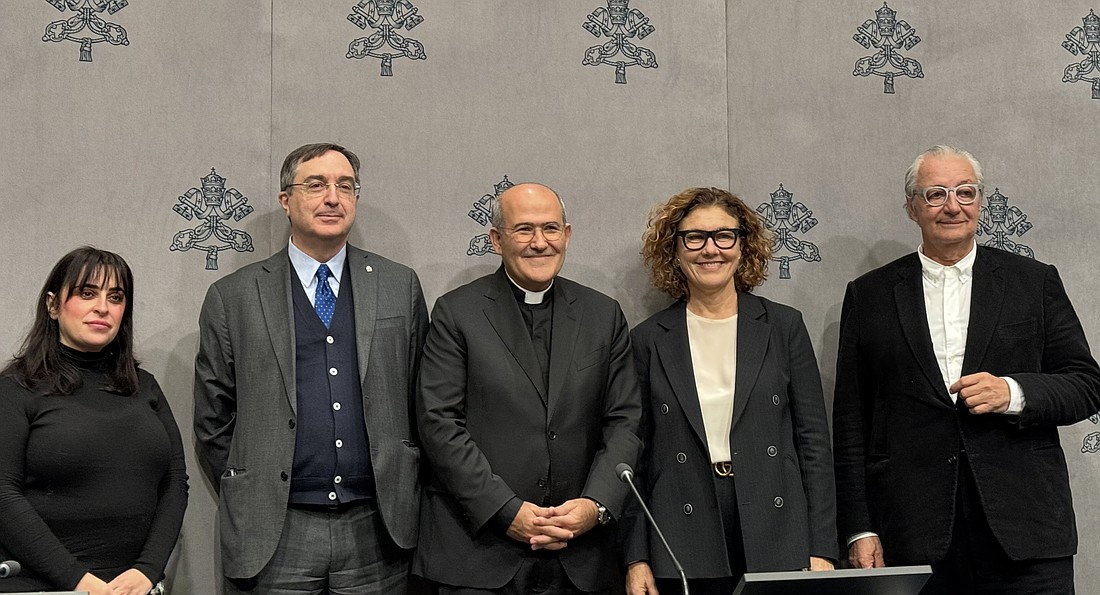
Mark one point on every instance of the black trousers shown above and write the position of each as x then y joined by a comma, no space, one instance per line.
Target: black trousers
725,490
977,564
540,574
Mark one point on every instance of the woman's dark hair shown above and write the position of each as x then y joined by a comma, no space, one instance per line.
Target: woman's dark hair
39,365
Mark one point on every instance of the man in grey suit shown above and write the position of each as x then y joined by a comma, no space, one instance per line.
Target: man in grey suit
527,400
303,380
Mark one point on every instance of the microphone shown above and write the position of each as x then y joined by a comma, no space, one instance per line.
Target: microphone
9,568
626,475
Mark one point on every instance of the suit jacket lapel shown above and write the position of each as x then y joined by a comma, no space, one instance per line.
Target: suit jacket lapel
504,316
753,334
675,354
909,299
275,308
364,291
986,299
563,339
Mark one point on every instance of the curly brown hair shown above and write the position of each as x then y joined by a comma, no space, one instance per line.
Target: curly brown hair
659,240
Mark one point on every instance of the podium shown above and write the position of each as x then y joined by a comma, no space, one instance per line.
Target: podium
896,580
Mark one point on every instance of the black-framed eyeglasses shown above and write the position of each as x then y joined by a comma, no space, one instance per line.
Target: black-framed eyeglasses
724,238
316,188
936,196
525,232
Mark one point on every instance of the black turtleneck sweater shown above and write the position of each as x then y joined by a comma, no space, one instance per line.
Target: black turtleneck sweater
89,482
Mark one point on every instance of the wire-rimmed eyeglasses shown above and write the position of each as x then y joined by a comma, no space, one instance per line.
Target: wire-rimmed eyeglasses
315,188
525,232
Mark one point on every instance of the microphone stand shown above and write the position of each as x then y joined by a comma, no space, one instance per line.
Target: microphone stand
626,474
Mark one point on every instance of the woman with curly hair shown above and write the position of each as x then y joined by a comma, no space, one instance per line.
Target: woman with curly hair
738,468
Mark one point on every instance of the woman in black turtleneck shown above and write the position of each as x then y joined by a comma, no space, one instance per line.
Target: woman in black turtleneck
92,478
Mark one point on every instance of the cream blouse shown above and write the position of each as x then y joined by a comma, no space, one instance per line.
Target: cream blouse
713,346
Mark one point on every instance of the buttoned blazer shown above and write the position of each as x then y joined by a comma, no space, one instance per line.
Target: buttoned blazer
897,434
245,398
779,445
491,432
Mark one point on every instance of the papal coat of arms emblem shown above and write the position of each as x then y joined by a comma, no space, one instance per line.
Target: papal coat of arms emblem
1084,41
1000,222
386,18
786,217
87,26
213,206
1090,444
480,245
889,37
620,24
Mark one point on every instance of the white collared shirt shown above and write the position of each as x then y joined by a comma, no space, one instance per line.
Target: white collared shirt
306,268
947,300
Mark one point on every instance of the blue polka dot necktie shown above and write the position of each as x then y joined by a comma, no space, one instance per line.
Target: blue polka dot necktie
324,301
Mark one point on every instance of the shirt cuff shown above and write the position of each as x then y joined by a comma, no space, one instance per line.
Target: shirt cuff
1015,397
859,536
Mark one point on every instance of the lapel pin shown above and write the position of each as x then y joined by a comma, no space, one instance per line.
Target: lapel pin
369,269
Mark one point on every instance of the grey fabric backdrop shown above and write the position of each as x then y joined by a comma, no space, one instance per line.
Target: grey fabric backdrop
745,95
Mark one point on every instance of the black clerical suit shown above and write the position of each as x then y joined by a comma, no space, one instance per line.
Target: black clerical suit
497,425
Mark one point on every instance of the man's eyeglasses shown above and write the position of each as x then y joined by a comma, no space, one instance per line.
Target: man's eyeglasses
317,188
936,196
724,238
525,232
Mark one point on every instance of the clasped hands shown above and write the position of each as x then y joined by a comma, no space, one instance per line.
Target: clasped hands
131,582
552,528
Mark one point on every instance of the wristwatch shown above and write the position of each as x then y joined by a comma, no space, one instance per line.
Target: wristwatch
603,516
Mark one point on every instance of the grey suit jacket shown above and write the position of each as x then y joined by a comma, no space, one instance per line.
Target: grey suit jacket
779,444
897,434
491,432
245,401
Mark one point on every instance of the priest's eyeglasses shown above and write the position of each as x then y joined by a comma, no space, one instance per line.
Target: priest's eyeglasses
936,196
525,232
317,188
724,238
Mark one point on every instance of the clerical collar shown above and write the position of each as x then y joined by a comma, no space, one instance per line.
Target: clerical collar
530,297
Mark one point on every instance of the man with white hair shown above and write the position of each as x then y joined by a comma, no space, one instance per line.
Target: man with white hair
957,364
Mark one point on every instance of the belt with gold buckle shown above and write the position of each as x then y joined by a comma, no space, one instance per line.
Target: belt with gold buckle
723,468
